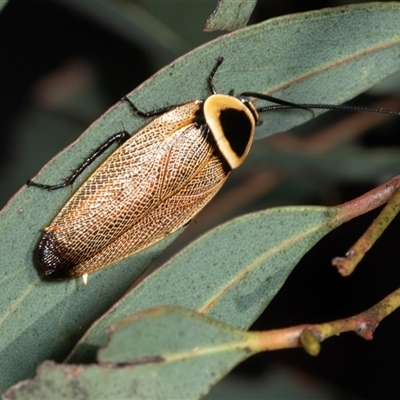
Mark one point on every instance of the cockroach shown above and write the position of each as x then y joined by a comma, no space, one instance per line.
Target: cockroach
156,181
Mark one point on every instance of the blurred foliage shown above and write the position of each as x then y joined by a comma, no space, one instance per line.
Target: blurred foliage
76,59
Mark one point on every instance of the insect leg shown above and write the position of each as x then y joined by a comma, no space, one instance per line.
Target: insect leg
119,138
163,110
212,73
147,114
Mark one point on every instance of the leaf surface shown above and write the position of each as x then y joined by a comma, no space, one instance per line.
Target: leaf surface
166,350
231,273
230,15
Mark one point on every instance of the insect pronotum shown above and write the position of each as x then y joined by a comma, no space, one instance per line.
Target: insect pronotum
155,182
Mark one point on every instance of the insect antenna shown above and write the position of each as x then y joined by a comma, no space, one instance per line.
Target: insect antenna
279,104
286,105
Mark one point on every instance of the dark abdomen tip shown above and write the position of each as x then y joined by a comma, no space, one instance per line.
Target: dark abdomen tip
54,258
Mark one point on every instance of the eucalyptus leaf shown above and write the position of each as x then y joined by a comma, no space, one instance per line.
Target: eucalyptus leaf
230,15
170,351
43,320
231,273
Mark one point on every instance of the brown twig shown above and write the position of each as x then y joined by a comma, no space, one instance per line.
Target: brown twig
310,336
347,264
368,201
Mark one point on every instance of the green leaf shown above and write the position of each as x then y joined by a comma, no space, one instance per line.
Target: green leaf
43,320
231,273
230,15
332,55
167,350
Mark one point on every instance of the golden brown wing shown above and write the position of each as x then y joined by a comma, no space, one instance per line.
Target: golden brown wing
147,188
168,216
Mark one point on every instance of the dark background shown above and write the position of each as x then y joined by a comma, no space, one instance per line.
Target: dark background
63,64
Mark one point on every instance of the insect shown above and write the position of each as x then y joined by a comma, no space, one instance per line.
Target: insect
155,182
